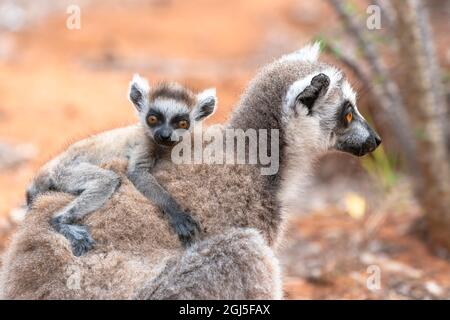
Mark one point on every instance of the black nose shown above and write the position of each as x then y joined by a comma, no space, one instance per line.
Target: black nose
377,140
165,135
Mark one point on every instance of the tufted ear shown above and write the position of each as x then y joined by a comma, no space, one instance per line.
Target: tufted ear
138,92
306,92
206,104
309,53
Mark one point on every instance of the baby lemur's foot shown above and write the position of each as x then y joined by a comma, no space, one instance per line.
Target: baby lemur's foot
78,236
185,227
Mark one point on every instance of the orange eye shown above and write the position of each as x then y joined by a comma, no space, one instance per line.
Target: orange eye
152,120
183,124
349,117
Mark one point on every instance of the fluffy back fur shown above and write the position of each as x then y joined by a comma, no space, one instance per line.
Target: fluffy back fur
240,211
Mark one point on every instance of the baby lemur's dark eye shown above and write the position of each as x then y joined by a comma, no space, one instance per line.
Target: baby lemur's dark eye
152,120
183,124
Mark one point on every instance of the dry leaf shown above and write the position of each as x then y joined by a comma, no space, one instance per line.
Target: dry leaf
355,205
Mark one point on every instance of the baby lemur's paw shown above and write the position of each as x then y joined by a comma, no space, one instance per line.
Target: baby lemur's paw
79,238
185,227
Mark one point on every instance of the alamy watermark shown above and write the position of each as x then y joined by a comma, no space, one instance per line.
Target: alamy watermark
373,281
73,21
73,281
373,21
229,146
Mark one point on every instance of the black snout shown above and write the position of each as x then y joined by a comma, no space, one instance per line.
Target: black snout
163,137
352,145
377,140
370,145
372,142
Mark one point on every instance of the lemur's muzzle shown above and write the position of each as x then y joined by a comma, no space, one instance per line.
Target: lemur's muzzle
164,137
359,140
371,143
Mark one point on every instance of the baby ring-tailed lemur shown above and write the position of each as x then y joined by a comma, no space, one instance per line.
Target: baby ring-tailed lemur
162,111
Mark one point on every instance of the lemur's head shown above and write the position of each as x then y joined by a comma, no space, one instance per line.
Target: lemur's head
169,109
323,104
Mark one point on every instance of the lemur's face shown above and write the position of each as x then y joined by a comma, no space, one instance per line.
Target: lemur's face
166,119
325,104
352,132
169,110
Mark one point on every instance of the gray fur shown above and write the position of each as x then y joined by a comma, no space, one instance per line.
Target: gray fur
183,276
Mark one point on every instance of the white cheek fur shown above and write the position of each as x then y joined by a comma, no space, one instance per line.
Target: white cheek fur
348,93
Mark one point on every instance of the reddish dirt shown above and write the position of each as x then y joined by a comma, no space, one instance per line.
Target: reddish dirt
339,265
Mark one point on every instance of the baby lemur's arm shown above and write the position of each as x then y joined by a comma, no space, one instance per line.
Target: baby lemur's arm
139,173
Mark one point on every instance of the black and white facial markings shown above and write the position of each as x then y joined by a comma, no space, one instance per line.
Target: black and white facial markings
328,97
169,109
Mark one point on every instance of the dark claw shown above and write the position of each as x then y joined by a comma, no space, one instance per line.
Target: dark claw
185,227
78,236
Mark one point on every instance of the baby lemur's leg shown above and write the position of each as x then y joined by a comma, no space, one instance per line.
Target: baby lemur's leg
139,174
93,187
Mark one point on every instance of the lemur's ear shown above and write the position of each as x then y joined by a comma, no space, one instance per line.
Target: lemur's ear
317,88
138,92
306,92
206,104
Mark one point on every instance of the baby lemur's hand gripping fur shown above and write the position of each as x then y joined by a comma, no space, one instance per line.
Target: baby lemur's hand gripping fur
165,111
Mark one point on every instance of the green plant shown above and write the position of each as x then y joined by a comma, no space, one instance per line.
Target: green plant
382,167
